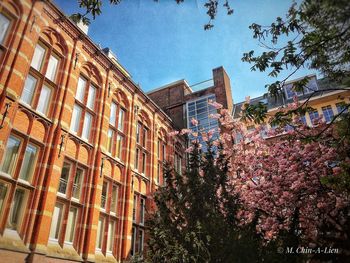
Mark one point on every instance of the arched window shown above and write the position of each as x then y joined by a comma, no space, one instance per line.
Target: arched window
84,109
41,84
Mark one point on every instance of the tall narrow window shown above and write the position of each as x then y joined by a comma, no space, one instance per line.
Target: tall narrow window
52,68
4,25
121,120
136,164
328,113
110,240
140,241
116,128
28,162
10,156
134,209
104,195
17,209
71,223
56,221
114,201
28,90
142,149
78,179
83,110
38,57
62,188
142,211
143,163
3,192
44,99
100,230
133,241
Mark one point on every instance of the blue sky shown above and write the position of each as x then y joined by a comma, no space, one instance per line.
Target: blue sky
162,42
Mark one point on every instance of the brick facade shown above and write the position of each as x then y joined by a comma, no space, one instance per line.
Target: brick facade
69,172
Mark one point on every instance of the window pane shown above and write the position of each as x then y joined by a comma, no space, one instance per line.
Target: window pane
81,89
52,68
74,125
104,195
91,97
3,191
136,164
77,184
143,163
121,120
87,126
111,230
142,211
144,137
119,146
328,113
56,221
38,57
133,241
109,140
138,132
10,155
114,204
99,233
28,90
140,241
44,100
64,178
72,218
4,25
134,209
16,210
28,163
112,116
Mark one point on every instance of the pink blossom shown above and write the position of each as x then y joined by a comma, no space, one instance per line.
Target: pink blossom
173,133
189,149
214,116
215,104
185,131
194,122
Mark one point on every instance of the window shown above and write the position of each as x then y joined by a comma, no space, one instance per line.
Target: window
83,110
328,113
111,234
142,210
41,82
17,209
68,206
72,218
56,221
108,217
313,116
141,241
341,107
142,154
138,223
178,163
100,230
4,26
21,171
161,152
310,87
116,133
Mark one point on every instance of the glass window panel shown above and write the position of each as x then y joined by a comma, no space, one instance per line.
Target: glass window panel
81,89
109,140
10,155
341,107
112,116
144,137
38,56
71,223
202,110
110,240
52,68
77,184
44,100
121,120
133,241
3,191
17,209
99,232
104,195
114,204
62,188
143,163
56,221
142,211
91,97
328,113
136,164
4,25
138,132
140,241
28,163
87,126
119,146
28,90
134,209
76,116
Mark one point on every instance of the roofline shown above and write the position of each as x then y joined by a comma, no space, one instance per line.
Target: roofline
181,81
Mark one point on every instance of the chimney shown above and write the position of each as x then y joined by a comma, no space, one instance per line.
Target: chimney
83,27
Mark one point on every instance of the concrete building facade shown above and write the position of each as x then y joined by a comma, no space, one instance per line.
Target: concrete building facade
81,145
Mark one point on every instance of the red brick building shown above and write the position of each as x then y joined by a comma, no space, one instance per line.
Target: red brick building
81,144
